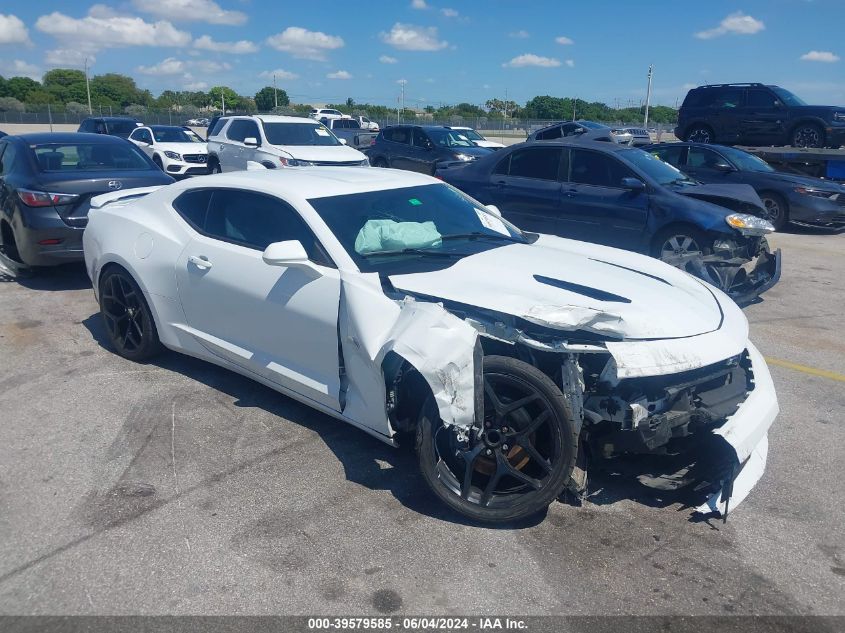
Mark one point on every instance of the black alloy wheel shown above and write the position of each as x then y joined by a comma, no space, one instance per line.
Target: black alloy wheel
777,210
807,135
700,134
521,459
128,320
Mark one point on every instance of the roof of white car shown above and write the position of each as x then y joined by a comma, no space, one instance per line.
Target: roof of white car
279,118
312,182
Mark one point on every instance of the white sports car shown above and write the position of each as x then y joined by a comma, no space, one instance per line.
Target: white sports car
392,301
176,150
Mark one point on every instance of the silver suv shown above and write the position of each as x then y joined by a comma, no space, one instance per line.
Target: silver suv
254,142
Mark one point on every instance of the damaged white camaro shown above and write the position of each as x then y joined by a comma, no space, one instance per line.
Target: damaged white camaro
390,300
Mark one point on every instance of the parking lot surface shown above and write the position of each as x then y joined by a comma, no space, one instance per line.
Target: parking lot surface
178,487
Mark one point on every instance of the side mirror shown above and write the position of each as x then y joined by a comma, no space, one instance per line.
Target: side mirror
634,185
290,254
343,141
251,141
723,167
492,208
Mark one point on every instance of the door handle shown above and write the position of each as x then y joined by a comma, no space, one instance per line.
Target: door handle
501,183
200,261
570,193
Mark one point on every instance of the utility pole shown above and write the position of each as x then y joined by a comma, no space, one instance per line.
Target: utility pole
574,106
223,99
275,92
648,96
88,87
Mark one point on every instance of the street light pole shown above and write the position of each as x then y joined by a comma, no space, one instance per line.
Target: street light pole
275,92
223,99
648,96
88,87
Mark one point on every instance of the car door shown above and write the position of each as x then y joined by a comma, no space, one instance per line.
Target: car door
423,154
525,186
398,147
143,139
724,114
231,152
703,164
276,322
762,118
596,207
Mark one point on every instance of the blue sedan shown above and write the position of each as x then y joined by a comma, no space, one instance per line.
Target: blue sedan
627,198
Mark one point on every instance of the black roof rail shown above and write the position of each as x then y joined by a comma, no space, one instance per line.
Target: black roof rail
754,84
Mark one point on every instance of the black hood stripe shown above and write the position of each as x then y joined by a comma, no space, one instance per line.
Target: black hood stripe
593,293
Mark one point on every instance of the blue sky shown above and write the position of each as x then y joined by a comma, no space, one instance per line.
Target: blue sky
446,51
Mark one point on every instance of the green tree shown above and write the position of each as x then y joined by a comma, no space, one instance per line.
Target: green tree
65,84
20,87
265,99
10,104
73,107
115,90
216,94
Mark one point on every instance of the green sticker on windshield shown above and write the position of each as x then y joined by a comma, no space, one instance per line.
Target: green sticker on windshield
415,202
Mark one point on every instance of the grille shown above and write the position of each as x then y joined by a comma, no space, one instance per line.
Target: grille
638,131
194,158
322,163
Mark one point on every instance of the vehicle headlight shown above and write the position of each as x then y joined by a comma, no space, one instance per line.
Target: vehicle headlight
365,162
749,224
293,162
818,193
464,157
839,116
173,155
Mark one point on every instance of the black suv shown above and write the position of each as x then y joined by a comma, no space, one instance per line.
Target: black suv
757,115
121,126
422,148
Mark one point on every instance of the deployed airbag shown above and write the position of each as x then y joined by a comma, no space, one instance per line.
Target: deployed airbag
389,235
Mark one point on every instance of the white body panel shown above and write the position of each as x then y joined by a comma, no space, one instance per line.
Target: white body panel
159,151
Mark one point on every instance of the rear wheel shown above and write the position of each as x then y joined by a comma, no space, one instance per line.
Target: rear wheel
8,245
214,166
777,209
518,463
700,134
128,319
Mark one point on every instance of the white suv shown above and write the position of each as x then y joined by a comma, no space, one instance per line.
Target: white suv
253,142
325,113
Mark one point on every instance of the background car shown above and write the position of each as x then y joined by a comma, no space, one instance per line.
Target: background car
46,183
391,301
422,148
476,138
588,130
624,197
366,123
639,135
757,115
325,113
176,150
273,141
788,197
115,125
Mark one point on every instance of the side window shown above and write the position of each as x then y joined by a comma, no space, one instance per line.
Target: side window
218,125
674,154
7,158
542,163
760,99
701,157
398,135
552,133
251,130
503,166
142,135
192,206
593,168
421,139
728,98
85,126
237,130
256,221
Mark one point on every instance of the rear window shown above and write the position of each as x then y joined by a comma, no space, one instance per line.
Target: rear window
713,98
59,157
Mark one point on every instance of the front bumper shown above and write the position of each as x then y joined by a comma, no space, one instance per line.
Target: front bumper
186,169
817,212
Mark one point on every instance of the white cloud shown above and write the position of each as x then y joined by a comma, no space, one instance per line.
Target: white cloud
197,85
449,13
280,74
570,63
67,58
191,11
95,31
339,74
735,24
820,56
563,40
13,30
305,44
419,4
169,66
209,66
241,47
529,59
20,68
387,59
522,34
409,37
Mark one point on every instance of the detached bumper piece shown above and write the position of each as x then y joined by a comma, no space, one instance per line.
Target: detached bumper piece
742,278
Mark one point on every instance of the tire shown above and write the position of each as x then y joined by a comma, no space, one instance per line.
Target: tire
700,133
380,162
807,135
129,322
672,244
522,462
157,161
8,245
214,167
777,209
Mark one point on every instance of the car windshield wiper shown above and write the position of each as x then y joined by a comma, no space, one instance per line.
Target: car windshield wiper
414,251
683,181
480,235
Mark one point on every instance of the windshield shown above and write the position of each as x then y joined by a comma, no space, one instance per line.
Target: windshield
472,135
380,228
654,168
59,157
299,134
787,97
449,138
121,128
745,161
174,135
593,126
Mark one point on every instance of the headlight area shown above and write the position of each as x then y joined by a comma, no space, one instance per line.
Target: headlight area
173,156
817,193
749,225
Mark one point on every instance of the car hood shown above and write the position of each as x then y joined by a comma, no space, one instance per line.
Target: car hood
322,153
801,181
183,148
489,144
575,286
816,110
734,197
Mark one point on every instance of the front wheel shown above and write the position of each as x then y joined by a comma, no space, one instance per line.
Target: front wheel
128,319
681,245
379,162
700,134
777,210
521,459
808,135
